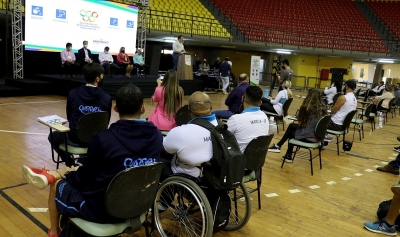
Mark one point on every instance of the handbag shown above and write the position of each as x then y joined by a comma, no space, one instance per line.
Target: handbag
347,145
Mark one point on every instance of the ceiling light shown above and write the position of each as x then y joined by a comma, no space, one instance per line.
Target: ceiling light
283,52
169,41
385,61
334,56
228,46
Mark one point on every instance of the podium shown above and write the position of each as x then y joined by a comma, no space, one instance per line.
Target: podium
185,67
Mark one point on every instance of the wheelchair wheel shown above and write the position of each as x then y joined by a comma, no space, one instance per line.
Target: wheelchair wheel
188,212
240,208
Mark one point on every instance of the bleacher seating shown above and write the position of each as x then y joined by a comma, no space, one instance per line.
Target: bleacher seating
184,17
9,3
333,24
389,13
187,17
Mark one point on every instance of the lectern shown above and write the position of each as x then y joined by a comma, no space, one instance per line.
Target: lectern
185,67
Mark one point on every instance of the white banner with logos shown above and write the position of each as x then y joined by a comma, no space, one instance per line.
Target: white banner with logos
255,70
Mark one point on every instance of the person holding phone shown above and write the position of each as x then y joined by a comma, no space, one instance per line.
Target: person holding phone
169,96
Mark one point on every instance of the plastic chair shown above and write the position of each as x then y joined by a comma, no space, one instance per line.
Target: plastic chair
346,124
279,117
360,122
256,152
129,196
88,126
391,109
320,131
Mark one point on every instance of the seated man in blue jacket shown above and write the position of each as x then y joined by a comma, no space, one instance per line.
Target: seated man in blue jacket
83,100
234,99
80,192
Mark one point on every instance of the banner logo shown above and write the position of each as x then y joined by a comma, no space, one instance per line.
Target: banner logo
89,16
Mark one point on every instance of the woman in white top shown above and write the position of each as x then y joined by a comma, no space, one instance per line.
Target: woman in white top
331,90
275,105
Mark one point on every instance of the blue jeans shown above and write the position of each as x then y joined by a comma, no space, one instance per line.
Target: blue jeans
175,57
395,164
224,114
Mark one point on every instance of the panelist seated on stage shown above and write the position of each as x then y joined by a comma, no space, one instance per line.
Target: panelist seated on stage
68,60
124,61
80,192
252,122
234,99
83,100
138,62
190,143
84,54
178,49
106,60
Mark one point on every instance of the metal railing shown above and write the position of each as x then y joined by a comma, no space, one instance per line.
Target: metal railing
191,24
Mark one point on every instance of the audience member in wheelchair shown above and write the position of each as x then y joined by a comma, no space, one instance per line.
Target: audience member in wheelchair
168,95
190,143
129,142
252,122
274,105
234,99
83,100
386,96
331,90
344,104
311,110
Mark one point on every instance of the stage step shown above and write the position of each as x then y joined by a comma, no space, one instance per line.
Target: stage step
31,87
10,91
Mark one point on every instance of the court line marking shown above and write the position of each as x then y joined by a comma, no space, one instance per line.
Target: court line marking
29,133
21,209
34,102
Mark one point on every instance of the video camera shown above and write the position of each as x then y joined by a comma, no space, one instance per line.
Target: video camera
278,65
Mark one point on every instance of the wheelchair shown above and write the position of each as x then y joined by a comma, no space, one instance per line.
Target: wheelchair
181,207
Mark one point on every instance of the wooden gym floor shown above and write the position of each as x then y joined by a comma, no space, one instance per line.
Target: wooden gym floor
317,208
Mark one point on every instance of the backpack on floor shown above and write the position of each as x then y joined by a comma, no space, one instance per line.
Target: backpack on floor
226,168
220,203
383,210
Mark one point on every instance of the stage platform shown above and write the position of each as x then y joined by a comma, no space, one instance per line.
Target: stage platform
53,84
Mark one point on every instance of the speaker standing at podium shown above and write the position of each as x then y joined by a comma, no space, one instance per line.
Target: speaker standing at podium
178,49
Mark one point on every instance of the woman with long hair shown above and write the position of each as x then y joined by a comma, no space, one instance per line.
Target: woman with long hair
331,90
275,105
169,96
124,61
310,112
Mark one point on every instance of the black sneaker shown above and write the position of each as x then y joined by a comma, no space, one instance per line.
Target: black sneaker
396,148
287,158
274,148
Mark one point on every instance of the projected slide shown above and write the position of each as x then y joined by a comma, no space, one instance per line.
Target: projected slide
50,24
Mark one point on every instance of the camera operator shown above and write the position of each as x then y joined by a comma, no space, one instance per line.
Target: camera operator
285,75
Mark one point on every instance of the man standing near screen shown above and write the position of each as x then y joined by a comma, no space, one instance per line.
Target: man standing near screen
84,54
68,60
138,62
106,60
178,49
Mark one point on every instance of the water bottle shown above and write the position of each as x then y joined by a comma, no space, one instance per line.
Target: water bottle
380,114
266,92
